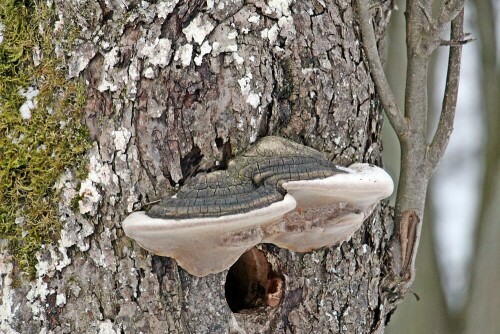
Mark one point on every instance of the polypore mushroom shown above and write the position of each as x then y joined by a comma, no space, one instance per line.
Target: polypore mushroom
204,245
331,209
277,191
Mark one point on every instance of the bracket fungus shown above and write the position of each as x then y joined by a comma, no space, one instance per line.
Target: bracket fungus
276,192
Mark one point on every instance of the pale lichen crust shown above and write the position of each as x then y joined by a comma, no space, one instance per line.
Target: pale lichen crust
275,192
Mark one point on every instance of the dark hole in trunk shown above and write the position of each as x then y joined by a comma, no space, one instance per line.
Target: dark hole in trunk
252,283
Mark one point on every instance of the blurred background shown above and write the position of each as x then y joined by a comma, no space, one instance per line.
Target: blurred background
457,286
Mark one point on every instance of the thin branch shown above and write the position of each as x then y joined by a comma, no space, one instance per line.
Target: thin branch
419,47
388,100
445,125
449,10
457,43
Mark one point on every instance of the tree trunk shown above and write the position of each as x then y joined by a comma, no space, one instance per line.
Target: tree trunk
180,87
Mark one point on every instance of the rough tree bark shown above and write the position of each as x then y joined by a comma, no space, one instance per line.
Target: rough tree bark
178,87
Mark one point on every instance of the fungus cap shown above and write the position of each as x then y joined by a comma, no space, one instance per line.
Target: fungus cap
276,192
204,245
331,209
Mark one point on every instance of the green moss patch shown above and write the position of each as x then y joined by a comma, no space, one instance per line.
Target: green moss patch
34,150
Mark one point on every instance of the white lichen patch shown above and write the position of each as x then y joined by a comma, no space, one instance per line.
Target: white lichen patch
131,200
184,54
198,29
254,18
63,259
80,59
74,234
287,28
7,307
106,327
225,40
278,7
237,58
215,48
245,83
121,138
89,197
252,98
69,232
37,296
284,27
232,48
309,70
60,299
273,33
30,95
156,51
232,35
99,173
285,22
134,75
165,7
149,73
270,34
241,124
110,60
50,260
255,125
205,49
253,133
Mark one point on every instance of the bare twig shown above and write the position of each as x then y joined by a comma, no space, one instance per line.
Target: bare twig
449,10
418,159
377,71
445,125
461,42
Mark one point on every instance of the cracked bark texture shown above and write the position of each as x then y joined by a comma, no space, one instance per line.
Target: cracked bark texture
178,87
